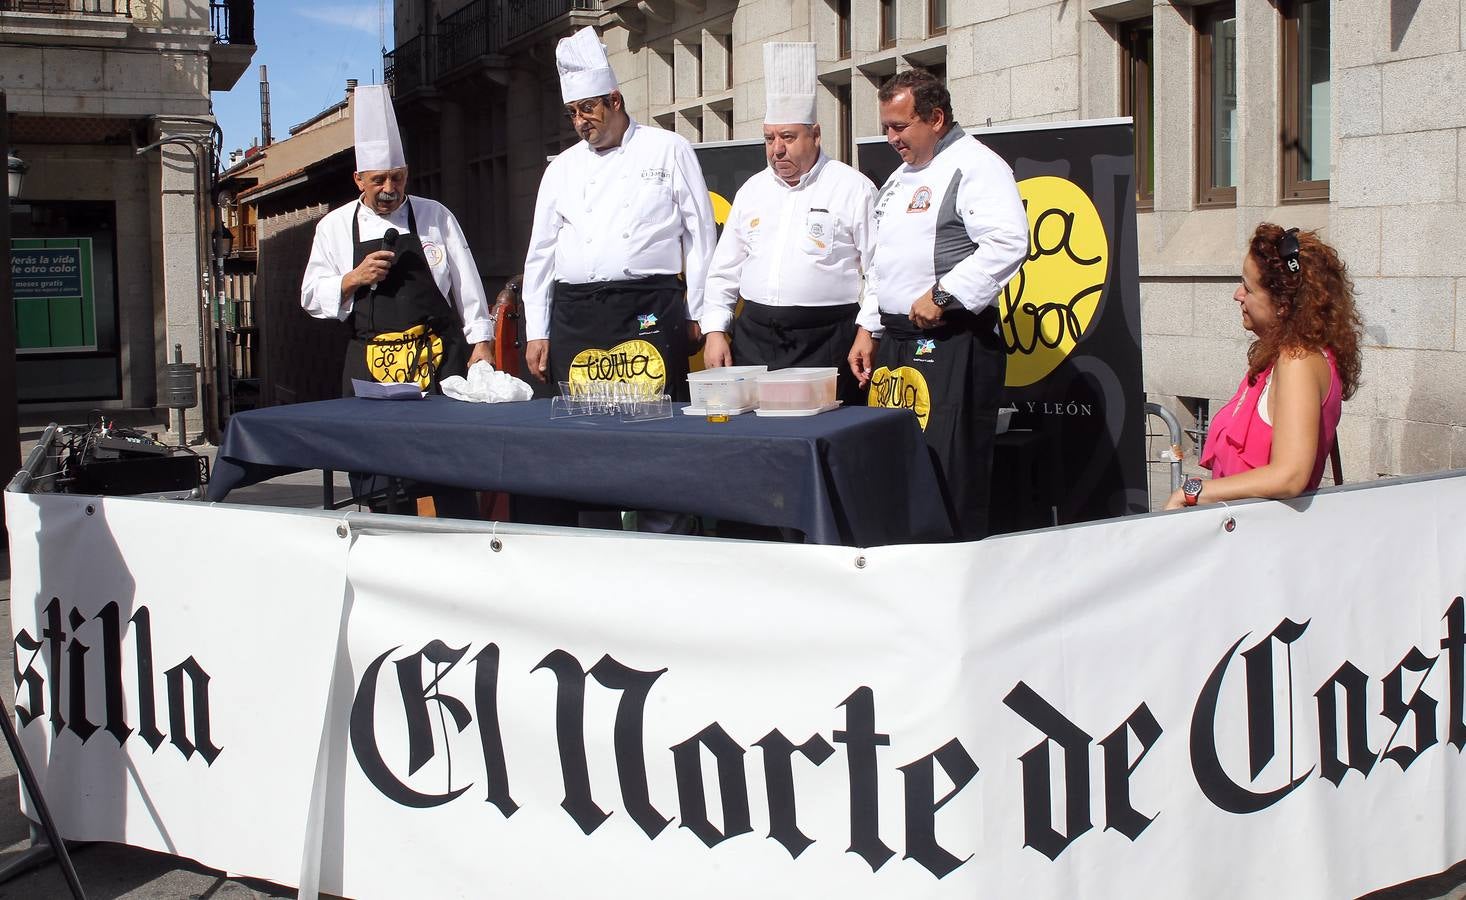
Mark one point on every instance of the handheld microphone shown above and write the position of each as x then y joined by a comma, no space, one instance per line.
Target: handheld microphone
389,242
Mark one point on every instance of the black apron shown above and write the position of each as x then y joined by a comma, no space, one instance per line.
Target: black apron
783,336
405,330
952,378
621,331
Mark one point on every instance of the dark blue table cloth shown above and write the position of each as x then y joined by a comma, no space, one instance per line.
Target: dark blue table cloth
855,476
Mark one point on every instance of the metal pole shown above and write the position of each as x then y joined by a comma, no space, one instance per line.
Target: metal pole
182,411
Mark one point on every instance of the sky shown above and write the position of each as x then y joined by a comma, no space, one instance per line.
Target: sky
309,51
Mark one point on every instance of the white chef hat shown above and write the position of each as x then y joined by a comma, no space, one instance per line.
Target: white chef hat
378,143
789,84
584,71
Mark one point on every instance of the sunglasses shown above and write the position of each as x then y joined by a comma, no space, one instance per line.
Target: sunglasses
1288,249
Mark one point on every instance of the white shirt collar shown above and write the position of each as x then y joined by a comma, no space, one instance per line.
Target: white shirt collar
807,177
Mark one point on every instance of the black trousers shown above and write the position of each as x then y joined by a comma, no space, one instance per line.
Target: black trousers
951,377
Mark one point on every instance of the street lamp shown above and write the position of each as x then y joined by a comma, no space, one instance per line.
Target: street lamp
15,169
223,242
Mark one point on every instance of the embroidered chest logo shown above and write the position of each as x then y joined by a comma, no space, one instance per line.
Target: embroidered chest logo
647,321
656,176
921,201
433,253
925,346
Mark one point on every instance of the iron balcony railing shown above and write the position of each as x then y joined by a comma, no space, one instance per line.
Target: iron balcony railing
84,7
481,28
233,21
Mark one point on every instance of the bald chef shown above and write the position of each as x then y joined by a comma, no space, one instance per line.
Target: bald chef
396,269
618,216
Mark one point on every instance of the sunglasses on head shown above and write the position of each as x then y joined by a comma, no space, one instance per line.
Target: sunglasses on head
1288,249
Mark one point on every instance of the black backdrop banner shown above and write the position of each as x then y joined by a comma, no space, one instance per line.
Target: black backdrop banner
1071,323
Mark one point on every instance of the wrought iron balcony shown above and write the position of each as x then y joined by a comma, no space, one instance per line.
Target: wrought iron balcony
232,21
482,28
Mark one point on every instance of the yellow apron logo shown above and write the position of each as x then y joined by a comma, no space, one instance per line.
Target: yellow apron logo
402,357
903,388
1049,305
630,362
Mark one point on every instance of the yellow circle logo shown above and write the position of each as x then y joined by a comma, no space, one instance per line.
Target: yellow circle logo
630,362
901,388
1049,305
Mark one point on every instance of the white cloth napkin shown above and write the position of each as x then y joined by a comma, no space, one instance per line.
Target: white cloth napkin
484,385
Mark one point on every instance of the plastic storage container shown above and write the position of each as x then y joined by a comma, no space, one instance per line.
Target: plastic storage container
797,391
731,389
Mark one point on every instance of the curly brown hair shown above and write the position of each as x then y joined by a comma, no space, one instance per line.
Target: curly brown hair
1315,305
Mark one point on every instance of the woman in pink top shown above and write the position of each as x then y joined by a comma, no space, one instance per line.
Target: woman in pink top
1272,438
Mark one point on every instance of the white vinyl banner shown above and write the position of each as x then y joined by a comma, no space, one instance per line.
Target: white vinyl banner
1257,701
172,666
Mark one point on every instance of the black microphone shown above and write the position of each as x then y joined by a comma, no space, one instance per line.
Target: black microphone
389,242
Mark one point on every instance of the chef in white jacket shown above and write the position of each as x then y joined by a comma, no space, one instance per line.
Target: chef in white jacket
621,218
796,244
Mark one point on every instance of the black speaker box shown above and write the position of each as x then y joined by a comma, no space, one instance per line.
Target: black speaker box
131,475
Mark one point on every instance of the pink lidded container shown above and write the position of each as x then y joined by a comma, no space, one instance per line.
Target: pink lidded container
803,390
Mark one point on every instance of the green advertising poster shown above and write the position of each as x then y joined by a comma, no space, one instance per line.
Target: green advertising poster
55,296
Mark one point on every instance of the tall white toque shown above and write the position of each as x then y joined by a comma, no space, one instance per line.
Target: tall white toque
789,84
584,71
378,143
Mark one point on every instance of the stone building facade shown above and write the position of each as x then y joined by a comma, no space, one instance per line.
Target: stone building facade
1337,115
88,85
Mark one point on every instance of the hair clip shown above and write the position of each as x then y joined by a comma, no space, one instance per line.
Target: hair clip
1288,249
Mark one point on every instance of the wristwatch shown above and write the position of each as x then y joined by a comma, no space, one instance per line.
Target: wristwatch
940,297
1192,490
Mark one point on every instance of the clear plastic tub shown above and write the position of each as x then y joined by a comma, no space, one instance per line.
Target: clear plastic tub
797,389
731,389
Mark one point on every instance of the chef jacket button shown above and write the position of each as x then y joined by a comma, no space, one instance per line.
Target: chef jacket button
626,234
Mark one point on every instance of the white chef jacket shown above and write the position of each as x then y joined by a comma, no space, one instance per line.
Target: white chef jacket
637,209
804,244
444,247
928,218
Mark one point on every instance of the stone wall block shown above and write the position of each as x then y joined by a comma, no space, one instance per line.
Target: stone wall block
1423,94
1356,449
961,53
1194,366
1396,169
1046,88
1166,308
1424,239
1216,314
1358,104
1356,234
1408,313
1420,385
1403,447
1458,447
1013,41
983,97
1461,315
1064,25
970,12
